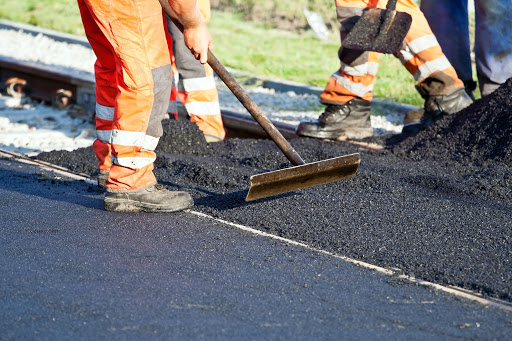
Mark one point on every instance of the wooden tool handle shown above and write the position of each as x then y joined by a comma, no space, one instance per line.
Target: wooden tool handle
389,14
242,96
391,5
253,109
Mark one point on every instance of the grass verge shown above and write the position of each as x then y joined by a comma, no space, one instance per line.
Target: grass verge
246,46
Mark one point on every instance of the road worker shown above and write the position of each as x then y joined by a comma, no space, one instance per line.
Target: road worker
348,93
133,73
196,87
449,20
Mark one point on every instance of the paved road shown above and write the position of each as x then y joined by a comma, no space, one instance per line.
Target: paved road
69,270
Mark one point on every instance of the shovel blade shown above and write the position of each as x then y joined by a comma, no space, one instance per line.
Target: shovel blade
307,175
371,34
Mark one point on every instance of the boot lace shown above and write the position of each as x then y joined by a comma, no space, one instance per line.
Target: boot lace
156,188
331,113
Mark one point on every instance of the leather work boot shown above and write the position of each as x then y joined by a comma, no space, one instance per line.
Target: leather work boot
413,116
102,179
151,198
435,108
350,120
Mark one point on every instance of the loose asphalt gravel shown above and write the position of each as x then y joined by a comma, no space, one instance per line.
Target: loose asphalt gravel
437,205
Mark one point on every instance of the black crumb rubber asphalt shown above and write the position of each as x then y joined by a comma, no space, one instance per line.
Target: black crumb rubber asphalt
437,205
371,32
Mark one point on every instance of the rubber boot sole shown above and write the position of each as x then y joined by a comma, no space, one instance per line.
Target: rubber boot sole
352,133
127,205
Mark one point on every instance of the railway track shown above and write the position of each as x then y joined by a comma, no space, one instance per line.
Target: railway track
22,78
63,89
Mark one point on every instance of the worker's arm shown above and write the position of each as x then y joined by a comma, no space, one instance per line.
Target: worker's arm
196,35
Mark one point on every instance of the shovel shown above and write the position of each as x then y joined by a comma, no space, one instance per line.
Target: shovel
284,180
379,30
293,178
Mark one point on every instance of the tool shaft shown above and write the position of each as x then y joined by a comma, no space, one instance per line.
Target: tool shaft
242,96
253,109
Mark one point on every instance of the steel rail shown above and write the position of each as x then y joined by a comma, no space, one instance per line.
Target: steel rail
45,83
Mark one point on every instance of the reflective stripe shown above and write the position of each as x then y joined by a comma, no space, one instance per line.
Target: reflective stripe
197,84
133,162
203,108
150,142
430,67
416,46
134,138
423,43
369,68
105,113
357,89
405,55
104,135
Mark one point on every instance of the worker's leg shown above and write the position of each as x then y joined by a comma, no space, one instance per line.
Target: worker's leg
349,90
438,83
449,22
172,108
106,90
493,43
135,31
422,56
358,69
134,28
196,88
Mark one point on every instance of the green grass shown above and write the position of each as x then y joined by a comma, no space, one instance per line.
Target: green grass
297,57
60,15
257,49
271,52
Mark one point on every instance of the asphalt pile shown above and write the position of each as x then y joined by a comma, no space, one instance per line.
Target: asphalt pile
481,133
437,205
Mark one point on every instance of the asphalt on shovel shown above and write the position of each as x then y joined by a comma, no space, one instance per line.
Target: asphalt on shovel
379,30
284,180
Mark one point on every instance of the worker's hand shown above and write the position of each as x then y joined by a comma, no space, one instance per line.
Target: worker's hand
198,40
186,16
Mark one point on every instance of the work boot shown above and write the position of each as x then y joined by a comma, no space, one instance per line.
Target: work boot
434,109
150,198
413,116
350,120
102,179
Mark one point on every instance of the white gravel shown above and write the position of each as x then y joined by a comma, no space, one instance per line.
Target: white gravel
31,127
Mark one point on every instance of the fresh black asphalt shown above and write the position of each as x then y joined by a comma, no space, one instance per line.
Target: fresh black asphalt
70,270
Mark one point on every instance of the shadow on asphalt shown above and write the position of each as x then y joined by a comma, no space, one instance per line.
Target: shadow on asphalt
49,185
223,202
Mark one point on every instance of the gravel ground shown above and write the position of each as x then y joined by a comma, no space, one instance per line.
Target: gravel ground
30,127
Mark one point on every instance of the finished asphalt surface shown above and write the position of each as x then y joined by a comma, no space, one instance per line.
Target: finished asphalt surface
70,270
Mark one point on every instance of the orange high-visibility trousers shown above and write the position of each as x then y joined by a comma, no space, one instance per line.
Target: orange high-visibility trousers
133,84
420,54
196,88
